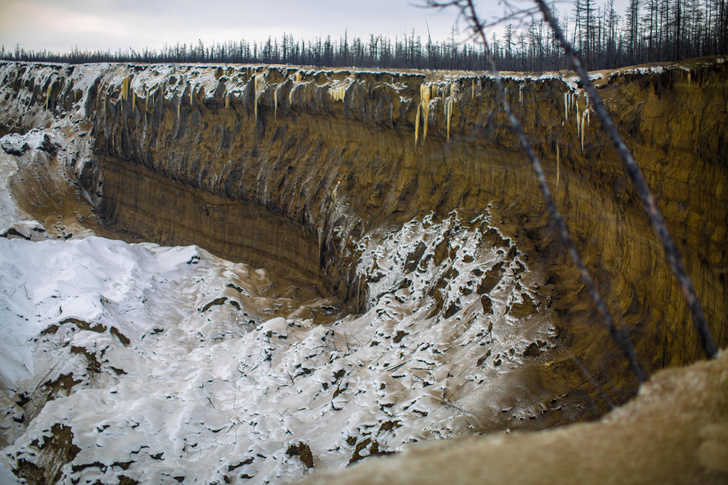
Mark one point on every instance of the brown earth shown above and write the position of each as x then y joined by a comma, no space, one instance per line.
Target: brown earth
315,161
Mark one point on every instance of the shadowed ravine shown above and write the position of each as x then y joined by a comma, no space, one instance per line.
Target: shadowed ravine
304,172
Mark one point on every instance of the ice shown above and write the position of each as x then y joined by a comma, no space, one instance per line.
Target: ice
202,401
163,365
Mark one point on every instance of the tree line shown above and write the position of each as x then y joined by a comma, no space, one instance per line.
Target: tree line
648,31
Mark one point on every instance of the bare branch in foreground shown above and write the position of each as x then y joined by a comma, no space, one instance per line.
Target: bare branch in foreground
672,254
621,337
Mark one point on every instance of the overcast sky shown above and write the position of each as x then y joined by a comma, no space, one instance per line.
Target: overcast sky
60,25
102,24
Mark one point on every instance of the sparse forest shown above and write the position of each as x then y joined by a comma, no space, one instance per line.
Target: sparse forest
648,31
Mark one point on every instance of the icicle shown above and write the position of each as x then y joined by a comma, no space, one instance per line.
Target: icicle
448,105
425,95
566,107
227,101
133,100
582,133
473,87
49,91
290,94
578,123
520,94
689,77
275,104
125,88
337,93
417,123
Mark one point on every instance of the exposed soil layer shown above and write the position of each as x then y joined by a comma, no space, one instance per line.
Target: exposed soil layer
188,153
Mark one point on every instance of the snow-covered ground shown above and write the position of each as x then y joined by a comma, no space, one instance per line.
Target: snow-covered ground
163,364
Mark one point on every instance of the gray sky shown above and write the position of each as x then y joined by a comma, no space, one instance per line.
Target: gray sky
60,25
102,24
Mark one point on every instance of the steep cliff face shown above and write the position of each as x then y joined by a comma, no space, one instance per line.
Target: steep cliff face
298,169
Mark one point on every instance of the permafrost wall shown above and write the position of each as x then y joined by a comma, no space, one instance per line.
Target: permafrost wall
298,170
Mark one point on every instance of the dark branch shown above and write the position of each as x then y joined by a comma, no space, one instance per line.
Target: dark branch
672,254
620,337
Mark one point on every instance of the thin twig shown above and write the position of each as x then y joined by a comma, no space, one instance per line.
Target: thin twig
620,337
672,254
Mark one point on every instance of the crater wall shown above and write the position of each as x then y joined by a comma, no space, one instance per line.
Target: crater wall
295,167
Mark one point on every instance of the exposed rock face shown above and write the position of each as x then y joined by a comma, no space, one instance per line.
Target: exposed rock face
192,153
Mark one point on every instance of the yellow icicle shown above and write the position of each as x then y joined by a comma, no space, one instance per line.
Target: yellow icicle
133,100
425,96
578,123
417,123
582,134
337,93
473,86
449,104
125,88
49,91
275,104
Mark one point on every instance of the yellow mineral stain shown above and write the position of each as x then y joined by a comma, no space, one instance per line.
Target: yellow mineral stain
449,104
337,93
49,91
125,87
259,85
425,96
